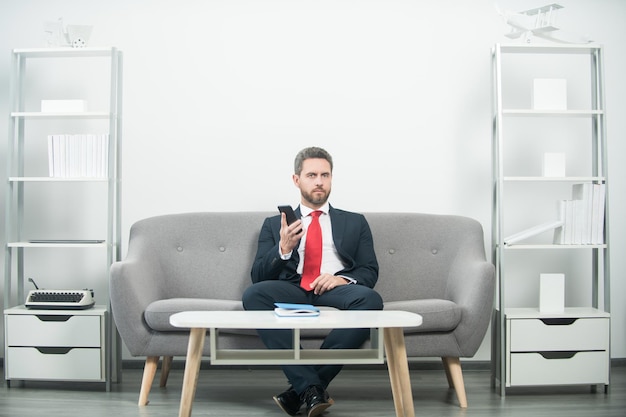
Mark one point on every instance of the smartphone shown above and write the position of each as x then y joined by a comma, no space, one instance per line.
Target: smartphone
291,216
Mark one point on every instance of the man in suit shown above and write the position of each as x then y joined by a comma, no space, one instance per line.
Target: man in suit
345,279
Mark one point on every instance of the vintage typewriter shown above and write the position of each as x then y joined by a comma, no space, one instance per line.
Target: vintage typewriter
59,299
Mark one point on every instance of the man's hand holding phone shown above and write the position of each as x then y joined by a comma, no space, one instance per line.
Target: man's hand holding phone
291,230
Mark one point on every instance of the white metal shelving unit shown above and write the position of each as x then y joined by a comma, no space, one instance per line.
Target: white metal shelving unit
528,347
18,245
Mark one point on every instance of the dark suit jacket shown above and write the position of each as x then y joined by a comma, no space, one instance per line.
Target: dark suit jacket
353,240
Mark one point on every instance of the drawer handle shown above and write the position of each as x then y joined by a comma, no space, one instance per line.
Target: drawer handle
54,350
54,317
558,321
558,354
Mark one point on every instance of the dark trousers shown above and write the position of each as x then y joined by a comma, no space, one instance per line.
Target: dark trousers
263,295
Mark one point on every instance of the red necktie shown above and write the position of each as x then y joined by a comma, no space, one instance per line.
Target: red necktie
312,252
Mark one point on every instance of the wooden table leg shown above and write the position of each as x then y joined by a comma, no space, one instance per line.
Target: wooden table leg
398,367
192,368
396,389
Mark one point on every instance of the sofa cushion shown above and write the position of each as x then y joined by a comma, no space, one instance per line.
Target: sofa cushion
437,315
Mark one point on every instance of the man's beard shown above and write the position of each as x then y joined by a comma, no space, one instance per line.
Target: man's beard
316,198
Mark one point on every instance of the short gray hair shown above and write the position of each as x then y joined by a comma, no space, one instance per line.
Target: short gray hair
309,153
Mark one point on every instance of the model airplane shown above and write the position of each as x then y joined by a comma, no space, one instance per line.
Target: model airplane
538,22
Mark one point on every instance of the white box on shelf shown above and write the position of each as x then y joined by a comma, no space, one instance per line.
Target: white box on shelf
551,293
553,164
549,94
78,35
63,106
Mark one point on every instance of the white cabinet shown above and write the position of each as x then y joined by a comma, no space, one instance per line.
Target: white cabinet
56,345
549,137
62,206
571,348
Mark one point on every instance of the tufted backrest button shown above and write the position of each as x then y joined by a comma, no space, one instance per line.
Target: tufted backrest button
392,251
179,248
222,249
434,251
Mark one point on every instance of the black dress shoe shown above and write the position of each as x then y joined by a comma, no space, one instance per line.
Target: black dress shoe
289,401
316,400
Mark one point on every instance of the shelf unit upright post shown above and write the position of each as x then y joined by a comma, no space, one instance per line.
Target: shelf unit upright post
530,347
16,242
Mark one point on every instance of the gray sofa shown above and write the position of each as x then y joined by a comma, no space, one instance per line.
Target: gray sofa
430,264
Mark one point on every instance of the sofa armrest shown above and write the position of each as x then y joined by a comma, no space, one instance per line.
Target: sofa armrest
471,285
133,286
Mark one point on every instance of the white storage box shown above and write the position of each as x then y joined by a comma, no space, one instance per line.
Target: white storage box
549,94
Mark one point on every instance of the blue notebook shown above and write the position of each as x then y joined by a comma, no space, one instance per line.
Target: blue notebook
296,310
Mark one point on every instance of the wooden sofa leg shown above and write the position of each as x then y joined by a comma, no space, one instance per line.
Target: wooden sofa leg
446,368
149,370
166,365
454,374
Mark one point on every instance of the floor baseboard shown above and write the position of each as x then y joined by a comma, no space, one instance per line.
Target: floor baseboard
416,364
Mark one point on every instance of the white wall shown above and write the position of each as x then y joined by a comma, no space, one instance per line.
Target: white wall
220,95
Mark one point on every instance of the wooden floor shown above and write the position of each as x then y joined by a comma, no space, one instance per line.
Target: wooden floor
358,392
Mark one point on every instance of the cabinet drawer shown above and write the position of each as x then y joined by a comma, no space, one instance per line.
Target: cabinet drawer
53,330
581,368
48,363
559,334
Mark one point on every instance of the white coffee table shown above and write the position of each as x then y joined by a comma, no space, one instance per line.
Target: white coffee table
387,334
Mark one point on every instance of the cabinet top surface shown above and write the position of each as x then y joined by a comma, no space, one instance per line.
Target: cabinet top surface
96,310
570,312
